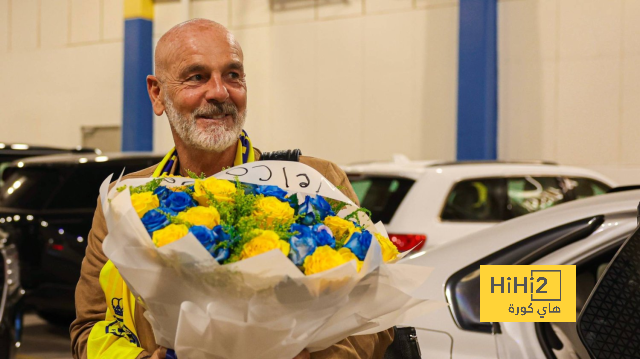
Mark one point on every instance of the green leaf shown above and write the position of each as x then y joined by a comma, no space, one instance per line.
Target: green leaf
148,187
195,176
354,214
336,205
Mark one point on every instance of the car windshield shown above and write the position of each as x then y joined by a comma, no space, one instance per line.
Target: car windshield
502,198
82,187
381,195
29,188
60,187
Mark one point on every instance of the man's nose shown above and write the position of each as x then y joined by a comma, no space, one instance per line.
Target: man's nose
216,89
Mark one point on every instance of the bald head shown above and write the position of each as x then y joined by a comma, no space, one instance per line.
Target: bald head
185,36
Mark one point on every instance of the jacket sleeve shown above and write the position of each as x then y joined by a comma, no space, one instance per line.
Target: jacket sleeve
372,346
91,307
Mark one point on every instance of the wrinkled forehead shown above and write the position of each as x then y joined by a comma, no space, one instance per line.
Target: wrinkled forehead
209,47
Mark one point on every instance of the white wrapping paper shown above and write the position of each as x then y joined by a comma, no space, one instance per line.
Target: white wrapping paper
261,307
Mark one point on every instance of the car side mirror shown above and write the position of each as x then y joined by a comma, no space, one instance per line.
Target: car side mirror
609,324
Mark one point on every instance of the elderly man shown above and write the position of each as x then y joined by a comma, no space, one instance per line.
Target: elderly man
200,85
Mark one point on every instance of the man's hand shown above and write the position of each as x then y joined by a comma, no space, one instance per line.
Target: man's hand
160,353
303,355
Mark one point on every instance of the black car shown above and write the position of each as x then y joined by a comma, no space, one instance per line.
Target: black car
10,152
46,207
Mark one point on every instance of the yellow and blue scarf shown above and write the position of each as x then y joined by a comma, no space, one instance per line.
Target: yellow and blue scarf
244,154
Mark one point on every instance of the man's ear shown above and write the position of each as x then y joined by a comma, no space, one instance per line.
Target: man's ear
155,95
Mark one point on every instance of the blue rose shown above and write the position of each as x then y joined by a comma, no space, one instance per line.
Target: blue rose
359,243
211,239
168,211
302,243
204,235
306,210
313,207
178,201
323,236
271,191
219,234
220,252
154,220
309,219
322,207
162,193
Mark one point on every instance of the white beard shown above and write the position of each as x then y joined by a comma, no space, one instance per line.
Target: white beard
216,137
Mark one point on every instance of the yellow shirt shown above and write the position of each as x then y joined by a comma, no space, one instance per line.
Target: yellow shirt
115,337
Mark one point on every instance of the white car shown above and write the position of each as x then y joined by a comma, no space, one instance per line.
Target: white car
439,201
585,233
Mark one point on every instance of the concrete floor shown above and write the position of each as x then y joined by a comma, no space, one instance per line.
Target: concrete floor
41,340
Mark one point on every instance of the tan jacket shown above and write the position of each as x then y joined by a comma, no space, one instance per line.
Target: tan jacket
91,304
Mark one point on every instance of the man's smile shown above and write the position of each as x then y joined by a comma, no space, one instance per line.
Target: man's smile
214,117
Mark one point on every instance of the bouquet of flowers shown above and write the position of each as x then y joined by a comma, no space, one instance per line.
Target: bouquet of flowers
236,257
235,221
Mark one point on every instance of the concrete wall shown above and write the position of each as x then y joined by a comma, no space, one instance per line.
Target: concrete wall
569,87
60,68
348,80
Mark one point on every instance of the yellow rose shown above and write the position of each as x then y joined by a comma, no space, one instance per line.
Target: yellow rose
222,190
348,256
168,234
144,202
201,216
264,242
273,209
389,250
339,227
322,259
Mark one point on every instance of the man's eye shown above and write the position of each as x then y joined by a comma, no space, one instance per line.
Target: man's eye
234,75
196,78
